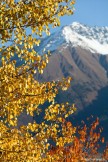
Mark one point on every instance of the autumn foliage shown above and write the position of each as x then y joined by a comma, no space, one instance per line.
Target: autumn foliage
85,145
22,23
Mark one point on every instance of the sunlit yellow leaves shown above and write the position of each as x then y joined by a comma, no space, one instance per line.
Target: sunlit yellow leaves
24,89
62,111
66,83
33,127
17,16
19,91
19,145
72,2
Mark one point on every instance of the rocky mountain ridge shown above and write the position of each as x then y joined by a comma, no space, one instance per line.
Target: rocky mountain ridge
94,39
73,55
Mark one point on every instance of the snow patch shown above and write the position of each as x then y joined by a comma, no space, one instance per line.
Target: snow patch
87,37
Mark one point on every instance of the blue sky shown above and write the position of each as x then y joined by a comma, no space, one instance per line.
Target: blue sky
89,12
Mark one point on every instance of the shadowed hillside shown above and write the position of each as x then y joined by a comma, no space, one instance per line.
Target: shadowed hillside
99,108
88,70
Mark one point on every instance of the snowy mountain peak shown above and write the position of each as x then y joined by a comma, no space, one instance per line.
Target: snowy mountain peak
76,24
94,39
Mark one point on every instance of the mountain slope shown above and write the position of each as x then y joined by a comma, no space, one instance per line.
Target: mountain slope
87,70
75,54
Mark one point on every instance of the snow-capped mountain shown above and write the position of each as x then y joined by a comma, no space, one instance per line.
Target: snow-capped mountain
79,51
94,39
